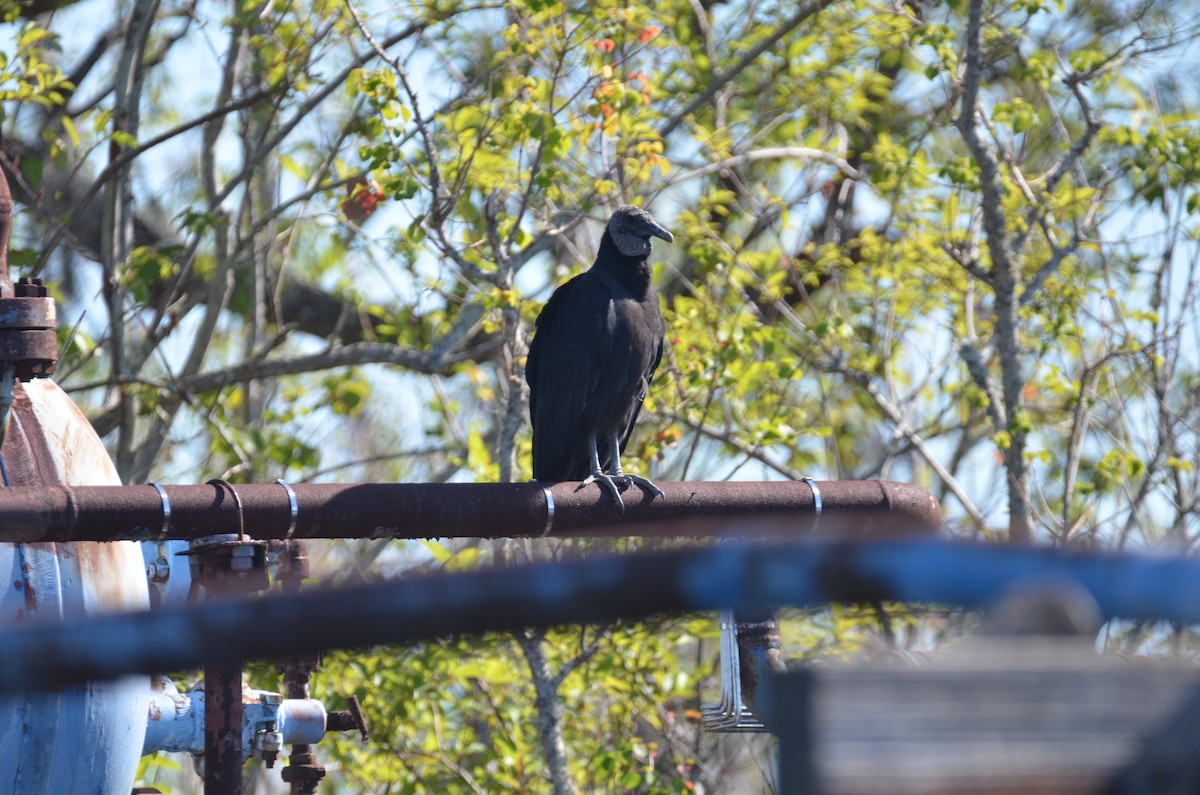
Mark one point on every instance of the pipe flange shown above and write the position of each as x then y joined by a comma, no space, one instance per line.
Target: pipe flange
28,321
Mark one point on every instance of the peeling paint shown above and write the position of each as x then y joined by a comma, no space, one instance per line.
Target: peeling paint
86,738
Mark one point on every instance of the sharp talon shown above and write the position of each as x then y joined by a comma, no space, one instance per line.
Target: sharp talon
647,485
607,483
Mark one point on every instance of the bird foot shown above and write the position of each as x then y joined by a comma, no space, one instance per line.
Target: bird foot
609,484
645,484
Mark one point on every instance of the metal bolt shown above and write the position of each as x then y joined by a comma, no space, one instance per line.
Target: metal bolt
159,570
242,559
27,287
268,744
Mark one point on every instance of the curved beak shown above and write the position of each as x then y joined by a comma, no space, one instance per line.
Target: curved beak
658,231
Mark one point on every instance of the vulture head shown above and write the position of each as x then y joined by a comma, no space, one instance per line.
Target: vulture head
631,229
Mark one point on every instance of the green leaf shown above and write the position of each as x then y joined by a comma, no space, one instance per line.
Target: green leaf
31,169
72,133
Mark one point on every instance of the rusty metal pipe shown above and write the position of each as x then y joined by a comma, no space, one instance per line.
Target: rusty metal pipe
223,729
6,218
744,576
424,510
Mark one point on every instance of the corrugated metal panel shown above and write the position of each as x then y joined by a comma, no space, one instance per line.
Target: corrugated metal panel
85,739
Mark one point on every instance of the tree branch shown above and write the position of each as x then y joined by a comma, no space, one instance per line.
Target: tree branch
717,83
550,713
346,356
904,429
769,153
1003,279
978,371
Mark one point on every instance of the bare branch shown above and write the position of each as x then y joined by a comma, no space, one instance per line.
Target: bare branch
1003,278
550,712
358,353
586,653
983,379
966,259
1067,162
347,355
718,82
1048,268
931,459
770,153
116,231
731,441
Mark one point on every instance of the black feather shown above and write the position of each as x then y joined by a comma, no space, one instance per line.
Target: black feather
596,346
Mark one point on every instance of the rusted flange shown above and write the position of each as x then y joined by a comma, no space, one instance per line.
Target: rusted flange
27,316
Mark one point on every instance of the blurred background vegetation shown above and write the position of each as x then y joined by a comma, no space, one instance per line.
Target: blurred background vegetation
949,243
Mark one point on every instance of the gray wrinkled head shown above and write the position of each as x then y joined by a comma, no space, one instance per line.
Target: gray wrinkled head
631,229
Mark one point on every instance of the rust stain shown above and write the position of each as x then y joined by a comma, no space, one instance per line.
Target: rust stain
30,462
103,565
51,443
31,602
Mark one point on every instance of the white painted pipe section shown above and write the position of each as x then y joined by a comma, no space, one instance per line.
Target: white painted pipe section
302,721
82,737
175,721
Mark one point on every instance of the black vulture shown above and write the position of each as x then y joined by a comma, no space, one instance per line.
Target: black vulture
596,346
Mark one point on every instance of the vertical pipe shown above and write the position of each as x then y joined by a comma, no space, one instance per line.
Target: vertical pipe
759,653
219,565
302,760
303,773
223,729
6,213
8,375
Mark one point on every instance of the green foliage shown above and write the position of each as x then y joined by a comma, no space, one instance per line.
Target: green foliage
462,714
28,73
854,291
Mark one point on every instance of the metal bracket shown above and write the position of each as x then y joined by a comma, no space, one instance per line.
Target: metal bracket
293,505
549,511
730,714
166,509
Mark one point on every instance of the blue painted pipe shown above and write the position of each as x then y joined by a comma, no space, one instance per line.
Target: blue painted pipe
743,576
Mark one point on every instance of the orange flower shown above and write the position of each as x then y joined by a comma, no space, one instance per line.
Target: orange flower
606,45
648,33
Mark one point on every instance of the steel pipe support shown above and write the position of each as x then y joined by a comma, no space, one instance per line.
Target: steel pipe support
742,576
433,510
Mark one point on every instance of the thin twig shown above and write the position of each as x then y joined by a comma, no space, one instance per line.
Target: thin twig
718,82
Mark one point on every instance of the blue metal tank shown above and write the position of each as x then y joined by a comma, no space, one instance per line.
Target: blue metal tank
85,739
